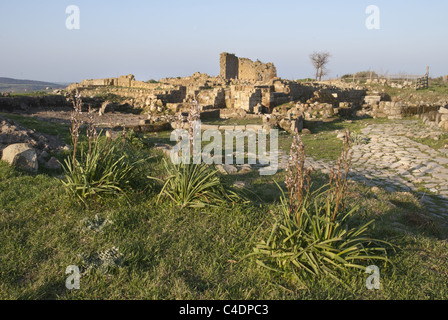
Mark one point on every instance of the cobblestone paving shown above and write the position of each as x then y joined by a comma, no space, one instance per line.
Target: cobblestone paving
394,162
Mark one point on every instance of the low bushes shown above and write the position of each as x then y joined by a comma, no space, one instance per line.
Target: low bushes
99,167
313,235
104,168
196,185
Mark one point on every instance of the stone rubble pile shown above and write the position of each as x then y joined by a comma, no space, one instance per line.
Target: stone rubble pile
27,148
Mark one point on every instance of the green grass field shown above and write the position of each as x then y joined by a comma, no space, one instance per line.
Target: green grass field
169,253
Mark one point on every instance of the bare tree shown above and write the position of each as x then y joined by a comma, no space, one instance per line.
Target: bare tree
319,61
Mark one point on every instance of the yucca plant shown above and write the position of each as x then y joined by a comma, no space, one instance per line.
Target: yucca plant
101,170
196,186
312,236
99,167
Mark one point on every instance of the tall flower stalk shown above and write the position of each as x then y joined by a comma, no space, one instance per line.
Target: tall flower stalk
339,178
104,167
194,117
313,237
92,133
76,124
298,178
193,184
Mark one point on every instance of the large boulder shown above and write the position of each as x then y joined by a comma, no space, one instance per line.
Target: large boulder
22,156
12,133
444,110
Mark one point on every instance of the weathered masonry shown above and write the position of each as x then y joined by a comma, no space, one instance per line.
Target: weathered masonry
245,69
242,85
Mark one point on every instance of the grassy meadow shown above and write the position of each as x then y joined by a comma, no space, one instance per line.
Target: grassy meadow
168,252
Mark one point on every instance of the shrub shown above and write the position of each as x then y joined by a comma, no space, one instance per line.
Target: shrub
313,236
196,186
99,167
102,169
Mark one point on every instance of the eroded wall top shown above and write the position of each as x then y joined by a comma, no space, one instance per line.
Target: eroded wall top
232,67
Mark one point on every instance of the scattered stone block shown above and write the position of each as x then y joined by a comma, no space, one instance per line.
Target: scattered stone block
443,110
306,131
240,184
227,169
22,156
144,122
244,169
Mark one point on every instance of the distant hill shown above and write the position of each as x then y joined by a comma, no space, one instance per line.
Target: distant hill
16,85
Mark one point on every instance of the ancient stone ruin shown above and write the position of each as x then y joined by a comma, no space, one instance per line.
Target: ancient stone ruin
244,69
243,89
243,85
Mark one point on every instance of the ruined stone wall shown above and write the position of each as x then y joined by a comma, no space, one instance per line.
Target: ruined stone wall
215,98
122,81
24,103
296,91
229,66
351,95
243,97
138,97
255,86
126,81
98,82
256,71
245,69
400,109
119,82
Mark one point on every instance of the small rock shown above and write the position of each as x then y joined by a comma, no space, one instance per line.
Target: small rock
240,184
44,154
341,136
144,122
443,110
244,169
375,190
227,169
165,148
53,164
42,158
306,131
230,169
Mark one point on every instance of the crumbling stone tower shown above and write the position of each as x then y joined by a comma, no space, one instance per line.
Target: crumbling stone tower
229,66
245,69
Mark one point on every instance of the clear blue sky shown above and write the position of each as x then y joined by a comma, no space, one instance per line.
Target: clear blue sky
155,39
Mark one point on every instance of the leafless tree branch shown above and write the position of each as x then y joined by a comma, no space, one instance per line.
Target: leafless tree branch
319,61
